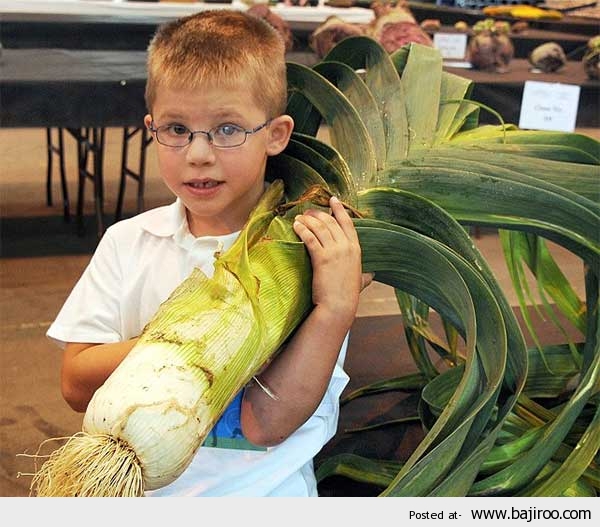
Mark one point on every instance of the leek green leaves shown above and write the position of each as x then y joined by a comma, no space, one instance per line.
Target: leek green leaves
501,419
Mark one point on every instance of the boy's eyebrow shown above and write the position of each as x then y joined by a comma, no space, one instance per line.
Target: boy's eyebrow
170,115
225,114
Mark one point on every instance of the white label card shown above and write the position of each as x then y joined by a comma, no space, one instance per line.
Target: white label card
549,106
451,45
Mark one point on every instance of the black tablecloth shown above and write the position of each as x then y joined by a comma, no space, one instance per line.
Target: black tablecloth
52,87
57,87
27,31
71,89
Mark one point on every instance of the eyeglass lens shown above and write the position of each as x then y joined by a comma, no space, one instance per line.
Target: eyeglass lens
222,136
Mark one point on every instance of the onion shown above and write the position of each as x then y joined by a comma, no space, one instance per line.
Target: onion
591,58
548,57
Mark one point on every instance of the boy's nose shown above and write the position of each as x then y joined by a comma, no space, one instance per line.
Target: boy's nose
200,150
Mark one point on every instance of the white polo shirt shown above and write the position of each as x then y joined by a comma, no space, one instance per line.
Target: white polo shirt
138,263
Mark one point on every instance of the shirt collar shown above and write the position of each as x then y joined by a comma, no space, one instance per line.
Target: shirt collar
164,221
172,222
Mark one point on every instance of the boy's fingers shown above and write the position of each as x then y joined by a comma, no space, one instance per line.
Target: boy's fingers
311,231
335,226
323,225
343,218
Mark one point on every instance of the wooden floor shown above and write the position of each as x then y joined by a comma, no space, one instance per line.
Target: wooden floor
41,259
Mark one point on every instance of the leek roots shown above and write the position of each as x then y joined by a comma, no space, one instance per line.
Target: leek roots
90,465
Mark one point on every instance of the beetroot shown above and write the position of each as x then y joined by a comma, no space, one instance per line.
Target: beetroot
263,11
395,26
490,48
330,32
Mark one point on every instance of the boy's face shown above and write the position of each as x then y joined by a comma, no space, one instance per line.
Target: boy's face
219,186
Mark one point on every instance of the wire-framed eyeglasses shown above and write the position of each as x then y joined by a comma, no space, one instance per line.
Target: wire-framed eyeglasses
226,135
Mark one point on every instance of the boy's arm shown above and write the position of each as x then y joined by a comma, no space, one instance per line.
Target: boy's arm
85,367
299,376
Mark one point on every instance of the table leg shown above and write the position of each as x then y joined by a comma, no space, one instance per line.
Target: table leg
90,145
59,150
140,176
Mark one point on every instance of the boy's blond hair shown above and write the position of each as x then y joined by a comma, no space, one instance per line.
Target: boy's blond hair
223,48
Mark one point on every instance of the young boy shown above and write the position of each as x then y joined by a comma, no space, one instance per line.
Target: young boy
216,94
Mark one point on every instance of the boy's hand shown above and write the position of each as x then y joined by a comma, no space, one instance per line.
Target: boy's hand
335,253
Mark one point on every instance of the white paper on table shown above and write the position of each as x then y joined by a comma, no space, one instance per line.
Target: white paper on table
451,45
549,106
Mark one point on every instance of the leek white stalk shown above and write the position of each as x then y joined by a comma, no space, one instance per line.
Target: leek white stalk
143,426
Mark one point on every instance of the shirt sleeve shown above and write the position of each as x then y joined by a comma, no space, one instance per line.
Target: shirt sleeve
91,312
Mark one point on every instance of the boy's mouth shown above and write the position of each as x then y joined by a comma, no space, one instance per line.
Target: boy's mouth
210,183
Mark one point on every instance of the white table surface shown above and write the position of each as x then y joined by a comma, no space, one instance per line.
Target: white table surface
175,9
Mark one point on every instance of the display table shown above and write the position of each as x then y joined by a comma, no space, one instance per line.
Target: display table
67,88
162,11
503,91
573,44
130,25
451,15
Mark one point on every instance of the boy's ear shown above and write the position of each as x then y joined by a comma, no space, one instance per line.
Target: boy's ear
280,131
147,120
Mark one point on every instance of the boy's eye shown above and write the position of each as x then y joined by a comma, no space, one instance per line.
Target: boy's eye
227,130
177,129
